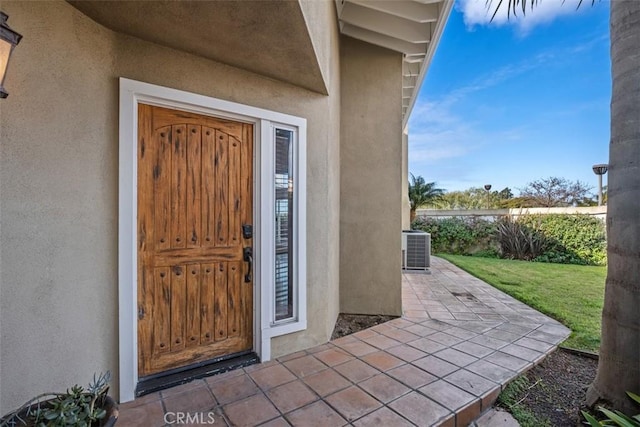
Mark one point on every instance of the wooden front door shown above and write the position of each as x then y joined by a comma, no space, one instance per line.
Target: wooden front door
195,193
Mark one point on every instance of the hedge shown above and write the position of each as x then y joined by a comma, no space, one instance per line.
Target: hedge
557,238
460,235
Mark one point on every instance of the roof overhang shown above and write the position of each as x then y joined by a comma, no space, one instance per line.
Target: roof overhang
411,27
267,37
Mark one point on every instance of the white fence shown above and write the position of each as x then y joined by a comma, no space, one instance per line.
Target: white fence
491,214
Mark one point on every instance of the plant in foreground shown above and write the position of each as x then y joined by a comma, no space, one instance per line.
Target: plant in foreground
77,407
615,418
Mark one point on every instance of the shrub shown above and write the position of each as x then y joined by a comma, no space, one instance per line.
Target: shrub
569,239
557,238
459,235
519,241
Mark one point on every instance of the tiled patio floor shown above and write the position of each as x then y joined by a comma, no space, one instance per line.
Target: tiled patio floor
443,363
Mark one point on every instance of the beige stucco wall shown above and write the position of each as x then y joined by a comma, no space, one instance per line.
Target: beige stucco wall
370,179
406,205
59,189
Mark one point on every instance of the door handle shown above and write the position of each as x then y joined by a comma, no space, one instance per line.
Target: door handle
248,257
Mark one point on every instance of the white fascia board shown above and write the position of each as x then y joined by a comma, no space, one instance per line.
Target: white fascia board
379,39
445,11
409,81
415,59
416,12
382,22
411,68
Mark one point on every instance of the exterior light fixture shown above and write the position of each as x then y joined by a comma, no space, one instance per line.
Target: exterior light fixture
488,188
8,40
600,170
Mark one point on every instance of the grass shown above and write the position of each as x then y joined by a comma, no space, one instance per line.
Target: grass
510,400
571,294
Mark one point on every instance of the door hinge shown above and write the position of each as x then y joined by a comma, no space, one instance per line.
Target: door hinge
140,313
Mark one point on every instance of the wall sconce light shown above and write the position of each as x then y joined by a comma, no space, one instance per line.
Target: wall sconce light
8,40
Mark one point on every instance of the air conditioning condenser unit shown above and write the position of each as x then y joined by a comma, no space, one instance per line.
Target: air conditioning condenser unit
416,250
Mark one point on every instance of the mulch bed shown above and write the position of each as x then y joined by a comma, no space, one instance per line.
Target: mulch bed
558,388
350,323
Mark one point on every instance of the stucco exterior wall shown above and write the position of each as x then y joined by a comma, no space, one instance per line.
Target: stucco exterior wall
58,170
406,205
59,192
370,179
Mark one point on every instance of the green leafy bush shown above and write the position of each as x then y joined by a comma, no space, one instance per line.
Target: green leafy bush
557,238
569,239
460,235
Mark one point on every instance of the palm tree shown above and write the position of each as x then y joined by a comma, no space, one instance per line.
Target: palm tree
422,193
619,362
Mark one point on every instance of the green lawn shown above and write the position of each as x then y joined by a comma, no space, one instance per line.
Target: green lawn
571,294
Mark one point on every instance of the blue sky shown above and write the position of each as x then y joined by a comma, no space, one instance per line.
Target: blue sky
512,101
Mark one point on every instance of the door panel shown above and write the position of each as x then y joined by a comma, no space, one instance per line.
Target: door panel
194,194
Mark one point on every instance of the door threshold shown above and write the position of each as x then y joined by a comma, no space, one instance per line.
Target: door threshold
176,377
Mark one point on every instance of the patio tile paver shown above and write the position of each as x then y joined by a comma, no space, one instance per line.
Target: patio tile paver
306,365
251,411
326,382
356,370
456,357
473,383
522,352
446,339
334,356
197,399
148,414
472,349
352,403
406,353
272,376
233,389
358,348
382,360
491,371
384,388
278,422
318,414
400,335
382,417
427,345
435,366
420,410
381,341
534,344
448,395
441,364
420,330
508,361
411,376
290,396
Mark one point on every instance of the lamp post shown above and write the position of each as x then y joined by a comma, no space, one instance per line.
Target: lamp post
8,41
487,187
600,170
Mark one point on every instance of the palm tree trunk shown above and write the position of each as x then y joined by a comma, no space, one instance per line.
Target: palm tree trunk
619,365
412,216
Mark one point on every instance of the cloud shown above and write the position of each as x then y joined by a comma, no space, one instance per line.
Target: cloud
480,12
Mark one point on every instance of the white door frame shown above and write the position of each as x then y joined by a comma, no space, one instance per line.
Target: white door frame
131,94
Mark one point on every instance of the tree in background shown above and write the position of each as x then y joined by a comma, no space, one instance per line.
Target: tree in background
422,193
555,192
473,198
618,367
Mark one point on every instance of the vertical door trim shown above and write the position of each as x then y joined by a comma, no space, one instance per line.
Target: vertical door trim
133,93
